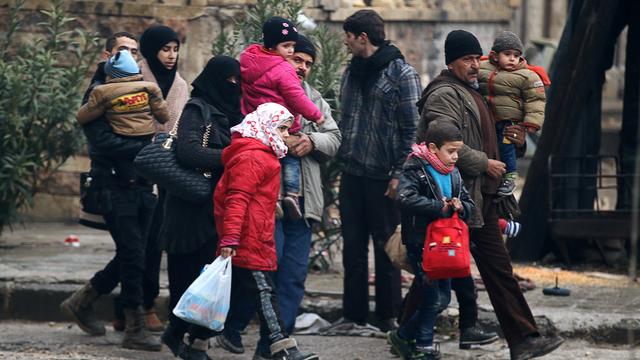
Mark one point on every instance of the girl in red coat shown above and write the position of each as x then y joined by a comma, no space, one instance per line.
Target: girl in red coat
245,201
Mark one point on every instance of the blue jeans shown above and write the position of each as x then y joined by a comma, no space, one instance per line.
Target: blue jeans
436,295
507,151
291,174
293,241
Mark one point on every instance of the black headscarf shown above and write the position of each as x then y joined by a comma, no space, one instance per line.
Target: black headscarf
151,41
212,86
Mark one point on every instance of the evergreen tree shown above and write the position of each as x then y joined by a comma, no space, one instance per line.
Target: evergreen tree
39,84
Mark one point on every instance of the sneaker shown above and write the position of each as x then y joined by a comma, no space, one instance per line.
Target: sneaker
291,206
287,349
535,346
400,346
229,344
431,353
507,187
476,336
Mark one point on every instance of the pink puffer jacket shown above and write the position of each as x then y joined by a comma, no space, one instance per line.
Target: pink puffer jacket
268,77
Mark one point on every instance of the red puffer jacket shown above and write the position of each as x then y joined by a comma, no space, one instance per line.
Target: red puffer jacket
245,202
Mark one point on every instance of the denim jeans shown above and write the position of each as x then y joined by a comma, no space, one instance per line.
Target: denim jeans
291,174
507,151
436,295
293,241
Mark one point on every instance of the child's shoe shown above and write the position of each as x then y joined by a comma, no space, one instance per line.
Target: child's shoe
400,346
292,206
507,187
429,353
287,349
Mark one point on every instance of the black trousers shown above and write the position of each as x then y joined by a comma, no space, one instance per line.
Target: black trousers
127,213
365,211
153,258
494,264
183,269
466,295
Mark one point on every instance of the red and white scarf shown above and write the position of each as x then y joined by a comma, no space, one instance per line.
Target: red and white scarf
422,151
262,124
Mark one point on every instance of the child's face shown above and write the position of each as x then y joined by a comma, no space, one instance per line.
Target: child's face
508,59
283,129
448,152
285,49
168,54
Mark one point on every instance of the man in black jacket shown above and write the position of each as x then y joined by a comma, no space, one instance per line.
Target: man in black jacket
127,203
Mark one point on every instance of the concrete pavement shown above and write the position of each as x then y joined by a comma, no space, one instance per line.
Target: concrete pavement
37,271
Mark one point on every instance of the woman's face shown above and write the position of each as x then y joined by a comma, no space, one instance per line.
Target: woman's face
168,54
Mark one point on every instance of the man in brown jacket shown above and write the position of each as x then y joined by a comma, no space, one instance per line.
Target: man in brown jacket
453,97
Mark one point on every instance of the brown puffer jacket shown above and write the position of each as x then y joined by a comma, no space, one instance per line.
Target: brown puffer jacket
128,103
513,95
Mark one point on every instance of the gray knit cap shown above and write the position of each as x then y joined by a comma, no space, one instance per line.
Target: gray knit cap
507,40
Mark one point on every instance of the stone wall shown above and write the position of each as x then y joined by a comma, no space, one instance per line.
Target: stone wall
418,27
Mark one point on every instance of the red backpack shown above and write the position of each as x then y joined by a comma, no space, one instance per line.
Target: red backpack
446,249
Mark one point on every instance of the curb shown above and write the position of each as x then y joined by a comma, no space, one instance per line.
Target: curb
38,302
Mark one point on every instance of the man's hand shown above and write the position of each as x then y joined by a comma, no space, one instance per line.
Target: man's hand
392,189
496,168
300,145
227,251
516,134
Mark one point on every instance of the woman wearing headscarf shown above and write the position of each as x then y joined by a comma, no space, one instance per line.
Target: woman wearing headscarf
159,46
188,232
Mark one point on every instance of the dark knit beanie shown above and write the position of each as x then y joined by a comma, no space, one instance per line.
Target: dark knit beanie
507,40
277,30
306,46
460,43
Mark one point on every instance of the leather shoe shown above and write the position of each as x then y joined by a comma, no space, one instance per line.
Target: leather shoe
535,346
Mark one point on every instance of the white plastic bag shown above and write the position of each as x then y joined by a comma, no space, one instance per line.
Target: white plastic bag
206,301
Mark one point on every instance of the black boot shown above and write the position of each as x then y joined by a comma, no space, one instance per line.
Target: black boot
171,339
287,349
194,348
79,306
136,335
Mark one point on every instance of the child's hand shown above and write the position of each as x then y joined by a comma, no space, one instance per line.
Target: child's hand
320,121
227,251
457,204
447,205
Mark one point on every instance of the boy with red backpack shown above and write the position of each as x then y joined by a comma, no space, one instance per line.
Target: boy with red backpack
430,191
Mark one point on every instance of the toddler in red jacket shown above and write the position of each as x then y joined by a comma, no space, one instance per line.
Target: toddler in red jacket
267,76
244,204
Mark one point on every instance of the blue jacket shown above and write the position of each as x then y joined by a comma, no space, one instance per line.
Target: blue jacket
379,127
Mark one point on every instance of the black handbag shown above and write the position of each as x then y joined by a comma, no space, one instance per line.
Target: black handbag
158,163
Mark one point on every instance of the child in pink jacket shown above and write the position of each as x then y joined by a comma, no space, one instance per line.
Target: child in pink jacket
268,77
